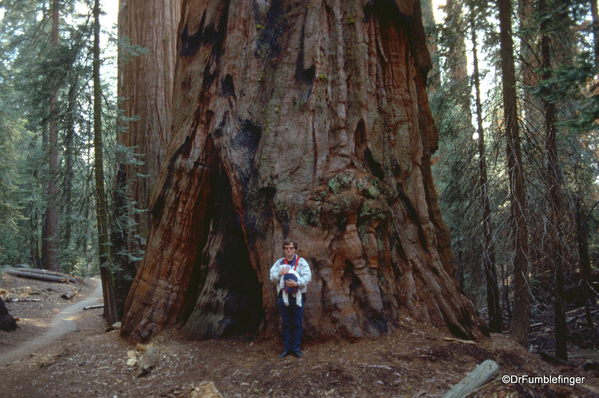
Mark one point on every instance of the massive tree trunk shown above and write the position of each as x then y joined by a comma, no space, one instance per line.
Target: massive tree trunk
307,121
521,320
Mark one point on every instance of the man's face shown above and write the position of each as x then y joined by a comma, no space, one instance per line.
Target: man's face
289,251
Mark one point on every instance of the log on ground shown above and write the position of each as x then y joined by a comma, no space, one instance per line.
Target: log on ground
38,276
93,307
42,272
480,376
69,295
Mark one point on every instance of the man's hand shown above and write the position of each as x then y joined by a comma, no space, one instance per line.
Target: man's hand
284,270
291,283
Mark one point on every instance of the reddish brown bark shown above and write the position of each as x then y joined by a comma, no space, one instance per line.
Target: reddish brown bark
309,121
146,84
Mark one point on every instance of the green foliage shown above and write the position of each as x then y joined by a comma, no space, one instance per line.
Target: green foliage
31,70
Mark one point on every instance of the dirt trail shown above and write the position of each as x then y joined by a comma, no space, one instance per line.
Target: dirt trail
62,323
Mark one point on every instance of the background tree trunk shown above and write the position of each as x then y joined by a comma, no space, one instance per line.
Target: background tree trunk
108,289
146,84
493,305
311,122
521,320
582,238
553,183
51,236
595,15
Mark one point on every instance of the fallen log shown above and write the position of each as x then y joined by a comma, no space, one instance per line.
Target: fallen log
37,276
93,307
475,379
23,300
43,272
69,295
460,341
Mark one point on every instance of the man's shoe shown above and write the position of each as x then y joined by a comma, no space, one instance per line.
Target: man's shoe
284,354
298,354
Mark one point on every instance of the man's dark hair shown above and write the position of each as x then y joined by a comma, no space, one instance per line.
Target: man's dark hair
290,241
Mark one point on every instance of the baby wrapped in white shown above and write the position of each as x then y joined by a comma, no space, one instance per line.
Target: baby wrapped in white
295,291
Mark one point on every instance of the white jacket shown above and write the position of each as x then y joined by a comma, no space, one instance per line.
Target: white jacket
303,269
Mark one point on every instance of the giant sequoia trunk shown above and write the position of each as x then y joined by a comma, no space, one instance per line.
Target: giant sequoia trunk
308,120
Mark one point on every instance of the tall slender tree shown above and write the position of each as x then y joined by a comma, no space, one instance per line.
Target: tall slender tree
108,288
595,16
553,183
493,303
51,245
521,319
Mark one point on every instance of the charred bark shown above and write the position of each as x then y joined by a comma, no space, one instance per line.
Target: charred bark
308,121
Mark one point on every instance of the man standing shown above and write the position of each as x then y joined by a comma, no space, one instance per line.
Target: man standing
292,315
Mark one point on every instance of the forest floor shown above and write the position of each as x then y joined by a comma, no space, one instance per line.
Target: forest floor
414,360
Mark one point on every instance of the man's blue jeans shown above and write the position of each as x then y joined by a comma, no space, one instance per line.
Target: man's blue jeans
292,328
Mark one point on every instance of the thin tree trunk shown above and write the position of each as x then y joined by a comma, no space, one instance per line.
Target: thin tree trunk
52,238
595,15
582,235
556,210
35,249
521,309
68,188
108,290
310,122
494,308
